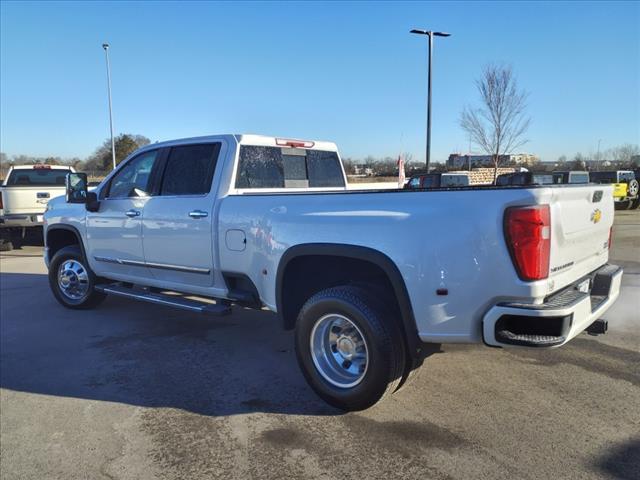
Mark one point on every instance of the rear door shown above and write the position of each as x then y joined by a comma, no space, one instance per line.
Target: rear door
178,223
581,219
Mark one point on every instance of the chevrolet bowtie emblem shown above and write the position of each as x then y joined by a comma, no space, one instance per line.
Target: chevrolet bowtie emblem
596,216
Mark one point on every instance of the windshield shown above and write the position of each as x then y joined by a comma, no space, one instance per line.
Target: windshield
37,177
579,177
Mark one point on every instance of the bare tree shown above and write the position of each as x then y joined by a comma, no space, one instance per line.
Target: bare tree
498,126
623,153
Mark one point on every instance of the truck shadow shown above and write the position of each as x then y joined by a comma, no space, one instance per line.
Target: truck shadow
146,355
622,461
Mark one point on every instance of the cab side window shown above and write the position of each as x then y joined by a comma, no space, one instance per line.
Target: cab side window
189,169
134,178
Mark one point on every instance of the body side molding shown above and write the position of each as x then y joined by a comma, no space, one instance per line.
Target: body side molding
161,266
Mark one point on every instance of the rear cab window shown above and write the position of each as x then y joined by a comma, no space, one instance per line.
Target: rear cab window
603,177
285,167
37,177
579,177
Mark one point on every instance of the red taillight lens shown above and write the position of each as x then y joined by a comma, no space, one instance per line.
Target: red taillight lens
1,206
528,235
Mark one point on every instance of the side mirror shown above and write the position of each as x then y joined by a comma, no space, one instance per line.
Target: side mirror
76,187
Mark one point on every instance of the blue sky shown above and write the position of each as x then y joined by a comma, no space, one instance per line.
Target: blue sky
347,72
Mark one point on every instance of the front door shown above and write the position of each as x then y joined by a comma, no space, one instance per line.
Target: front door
178,226
114,232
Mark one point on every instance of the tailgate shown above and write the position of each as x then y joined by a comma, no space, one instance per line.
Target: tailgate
18,200
581,219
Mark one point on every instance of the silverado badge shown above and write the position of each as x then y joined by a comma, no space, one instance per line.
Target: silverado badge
596,215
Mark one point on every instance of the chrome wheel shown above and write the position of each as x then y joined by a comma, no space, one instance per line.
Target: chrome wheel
73,279
339,351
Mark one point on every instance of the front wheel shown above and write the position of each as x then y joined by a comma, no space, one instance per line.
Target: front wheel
72,281
349,347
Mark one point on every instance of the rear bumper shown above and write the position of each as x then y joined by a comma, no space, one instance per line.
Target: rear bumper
561,317
21,220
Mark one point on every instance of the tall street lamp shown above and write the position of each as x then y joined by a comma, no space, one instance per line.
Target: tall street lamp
430,34
105,46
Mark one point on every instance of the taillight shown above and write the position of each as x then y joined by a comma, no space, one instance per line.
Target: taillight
528,235
610,234
1,205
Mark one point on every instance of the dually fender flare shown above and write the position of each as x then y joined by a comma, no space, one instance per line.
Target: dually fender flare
367,254
69,228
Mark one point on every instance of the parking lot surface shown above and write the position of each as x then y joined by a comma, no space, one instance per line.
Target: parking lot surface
137,391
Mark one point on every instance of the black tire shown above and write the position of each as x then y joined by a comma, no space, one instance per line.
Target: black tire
5,245
88,300
624,205
385,346
635,204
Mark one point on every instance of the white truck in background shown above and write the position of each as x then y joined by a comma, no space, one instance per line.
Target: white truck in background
24,195
369,280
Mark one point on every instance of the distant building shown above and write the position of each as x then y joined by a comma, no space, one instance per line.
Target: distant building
469,160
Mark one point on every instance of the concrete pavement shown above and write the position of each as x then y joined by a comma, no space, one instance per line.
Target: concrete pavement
137,391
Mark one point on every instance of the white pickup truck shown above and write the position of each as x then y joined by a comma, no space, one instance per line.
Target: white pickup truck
368,279
24,195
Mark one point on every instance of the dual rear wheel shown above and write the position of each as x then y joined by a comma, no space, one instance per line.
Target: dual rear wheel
350,347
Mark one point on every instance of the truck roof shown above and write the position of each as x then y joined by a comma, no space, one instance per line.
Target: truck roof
252,139
40,165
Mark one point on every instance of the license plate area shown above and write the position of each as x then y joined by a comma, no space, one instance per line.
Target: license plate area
584,286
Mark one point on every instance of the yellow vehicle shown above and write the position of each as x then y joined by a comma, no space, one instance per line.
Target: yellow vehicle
625,187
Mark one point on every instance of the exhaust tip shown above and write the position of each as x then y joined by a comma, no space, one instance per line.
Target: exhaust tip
599,327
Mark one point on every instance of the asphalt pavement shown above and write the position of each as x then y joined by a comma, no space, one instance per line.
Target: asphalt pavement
137,391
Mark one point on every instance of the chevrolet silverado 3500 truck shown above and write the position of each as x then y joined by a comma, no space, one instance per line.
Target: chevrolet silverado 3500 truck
24,195
368,279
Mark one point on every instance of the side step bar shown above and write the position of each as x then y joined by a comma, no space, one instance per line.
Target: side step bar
214,309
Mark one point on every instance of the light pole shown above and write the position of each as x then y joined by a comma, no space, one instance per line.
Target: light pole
105,46
430,34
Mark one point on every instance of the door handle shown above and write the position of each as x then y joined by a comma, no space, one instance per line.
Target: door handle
198,214
132,213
